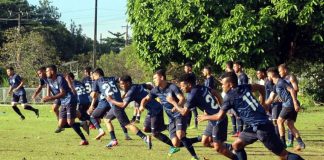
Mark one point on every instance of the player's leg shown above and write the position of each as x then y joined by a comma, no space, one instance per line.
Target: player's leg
71,115
157,126
295,132
108,121
233,119
207,139
98,113
195,114
275,110
284,114
247,136
14,102
55,107
27,106
84,116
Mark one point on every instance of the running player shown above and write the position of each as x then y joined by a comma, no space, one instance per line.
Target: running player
290,106
188,69
203,98
240,98
62,91
210,81
177,122
18,92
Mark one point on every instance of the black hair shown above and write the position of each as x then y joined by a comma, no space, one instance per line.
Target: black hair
283,66
231,76
161,72
41,69
99,71
239,63
126,78
88,69
52,67
188,64
188,78
11,68
208,68
230,64
273,70
71,75
263,70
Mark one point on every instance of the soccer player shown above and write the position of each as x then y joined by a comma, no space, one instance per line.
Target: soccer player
136,114
203,97
229,66
154,121
18,92
290,106
83,101
109,91
41,72
62,91
177,122
188,70
292,80
240,98
210,81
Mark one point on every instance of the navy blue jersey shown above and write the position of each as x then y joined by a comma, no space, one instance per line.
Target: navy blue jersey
242,79
42,81
210,82
245,105
201,97
87,81
61,84
283,93
136,93
83,96
107,86
169,90
268,85
14,82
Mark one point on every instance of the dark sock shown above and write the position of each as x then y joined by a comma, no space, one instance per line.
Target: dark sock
241,154
189,118
290,136
228,146
195,113
234,124
124,129
163,138
277,130
283,140
141,134
192,141
133,119
138,118
299,140
66,126
189,146
76,127
16,109
95,122
28,107
293,156
239,124
112,135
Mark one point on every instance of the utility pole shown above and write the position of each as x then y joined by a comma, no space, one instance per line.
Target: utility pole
95,37
100,42
126,34
19,22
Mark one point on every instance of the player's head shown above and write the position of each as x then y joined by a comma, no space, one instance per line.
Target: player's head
51,71
206,71
283,70
159,77
71,75
229,80
272,73
97,73
41,72
87,71
229,66
187,82
10,71
125,82
188,67
261,73
237,66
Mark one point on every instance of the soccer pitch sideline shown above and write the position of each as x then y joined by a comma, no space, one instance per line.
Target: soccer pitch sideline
35,139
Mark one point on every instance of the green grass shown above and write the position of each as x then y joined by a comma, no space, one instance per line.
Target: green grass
35,139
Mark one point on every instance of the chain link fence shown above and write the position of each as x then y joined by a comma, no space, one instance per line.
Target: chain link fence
6,99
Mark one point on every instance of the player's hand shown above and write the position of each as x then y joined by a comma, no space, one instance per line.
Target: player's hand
202,118
141,108
46,98
109,99
14,90
297,107
90,110
33,97
174,109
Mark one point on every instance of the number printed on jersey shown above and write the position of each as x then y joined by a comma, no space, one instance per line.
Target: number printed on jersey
88,87
250,100
80,90
210,99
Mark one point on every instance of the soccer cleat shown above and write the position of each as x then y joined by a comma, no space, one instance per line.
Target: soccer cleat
137,121
84,143
91,126
22,117
148,141
173,150
112,143
194,158
59,129
300,146
37,113
85,127
128,138
289,144
101,134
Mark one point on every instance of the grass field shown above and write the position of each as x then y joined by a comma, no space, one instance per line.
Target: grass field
35,139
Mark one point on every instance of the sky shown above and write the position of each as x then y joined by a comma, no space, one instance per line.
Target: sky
111,15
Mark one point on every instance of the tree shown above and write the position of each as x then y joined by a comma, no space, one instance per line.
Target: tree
260,33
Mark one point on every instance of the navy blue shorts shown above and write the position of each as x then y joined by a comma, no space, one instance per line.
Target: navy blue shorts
266,134
16,98
218,131
57,102
68,111
121,116
155,124
276,109
177,124
288,113
100,112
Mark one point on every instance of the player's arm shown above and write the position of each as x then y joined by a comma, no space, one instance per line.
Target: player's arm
48,90
294,83
22,82
58,96
144,101
217,96
70,84
294,97
116,103
37,91
270,99
176,106
259,88
214,117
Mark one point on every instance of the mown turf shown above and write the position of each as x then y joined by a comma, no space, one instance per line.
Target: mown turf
35,139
